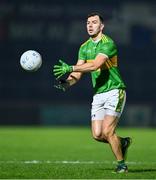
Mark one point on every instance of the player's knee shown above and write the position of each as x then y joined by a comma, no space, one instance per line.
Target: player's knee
107,133
97,136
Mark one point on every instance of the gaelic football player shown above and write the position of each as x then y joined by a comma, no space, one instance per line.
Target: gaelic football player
98,55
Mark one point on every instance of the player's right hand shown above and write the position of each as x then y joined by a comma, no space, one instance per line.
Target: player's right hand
62,85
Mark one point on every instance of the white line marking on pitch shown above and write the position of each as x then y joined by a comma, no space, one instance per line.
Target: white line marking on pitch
72,162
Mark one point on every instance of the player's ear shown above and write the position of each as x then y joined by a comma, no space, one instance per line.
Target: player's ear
102,26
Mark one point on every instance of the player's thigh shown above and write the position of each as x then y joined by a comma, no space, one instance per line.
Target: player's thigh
97,116
113,110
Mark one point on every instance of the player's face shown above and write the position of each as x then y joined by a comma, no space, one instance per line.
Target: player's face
94,26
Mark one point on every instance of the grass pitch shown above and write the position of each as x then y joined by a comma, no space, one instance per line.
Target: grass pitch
71,153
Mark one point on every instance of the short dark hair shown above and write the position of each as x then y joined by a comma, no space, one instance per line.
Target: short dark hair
96,14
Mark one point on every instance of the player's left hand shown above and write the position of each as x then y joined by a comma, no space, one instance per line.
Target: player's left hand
62,85
63,68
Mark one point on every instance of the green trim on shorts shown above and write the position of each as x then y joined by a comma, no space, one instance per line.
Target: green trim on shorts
121,100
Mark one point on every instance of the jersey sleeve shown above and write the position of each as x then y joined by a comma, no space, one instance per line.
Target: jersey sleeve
82,54
108,49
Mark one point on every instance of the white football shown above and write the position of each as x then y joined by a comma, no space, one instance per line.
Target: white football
31,60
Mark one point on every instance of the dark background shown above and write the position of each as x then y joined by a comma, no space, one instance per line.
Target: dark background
56,29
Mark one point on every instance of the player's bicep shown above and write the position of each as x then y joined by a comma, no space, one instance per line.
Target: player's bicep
108,49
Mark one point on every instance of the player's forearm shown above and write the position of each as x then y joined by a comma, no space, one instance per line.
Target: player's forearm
87,67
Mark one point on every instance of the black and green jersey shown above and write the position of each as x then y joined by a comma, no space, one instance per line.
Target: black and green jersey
107,77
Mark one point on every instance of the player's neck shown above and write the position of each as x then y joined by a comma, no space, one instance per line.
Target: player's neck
97,38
